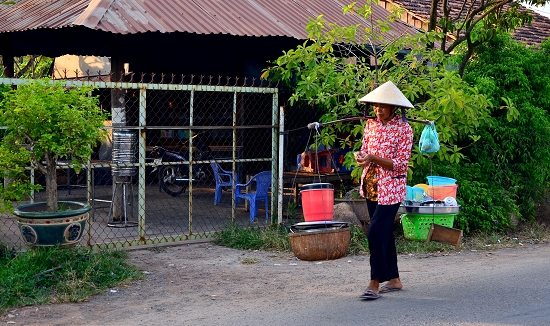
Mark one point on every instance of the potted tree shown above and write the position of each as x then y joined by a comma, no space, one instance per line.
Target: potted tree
46,122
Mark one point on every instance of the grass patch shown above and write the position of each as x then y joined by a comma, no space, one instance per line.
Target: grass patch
270,238
55,274
275,238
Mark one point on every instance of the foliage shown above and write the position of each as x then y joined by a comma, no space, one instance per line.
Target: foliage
46,122
512,155
486,205
33,66
358,243
53,274
3,89
333,69
292,212
484,120
30,66
273,237
473,23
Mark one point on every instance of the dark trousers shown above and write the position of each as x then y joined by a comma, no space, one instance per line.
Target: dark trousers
383,254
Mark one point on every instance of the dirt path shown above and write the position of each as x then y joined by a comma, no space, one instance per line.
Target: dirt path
203,284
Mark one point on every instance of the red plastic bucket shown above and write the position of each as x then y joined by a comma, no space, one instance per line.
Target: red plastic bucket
317,201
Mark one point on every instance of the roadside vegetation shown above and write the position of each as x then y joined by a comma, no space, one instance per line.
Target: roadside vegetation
275,238
493,122
51,275
492,114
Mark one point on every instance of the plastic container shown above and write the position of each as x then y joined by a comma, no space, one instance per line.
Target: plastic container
442,192
422,185
440,181
450,201
418,194
417,226
410,194
317,201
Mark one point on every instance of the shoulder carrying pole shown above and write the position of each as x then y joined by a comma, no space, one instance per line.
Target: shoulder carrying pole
315,125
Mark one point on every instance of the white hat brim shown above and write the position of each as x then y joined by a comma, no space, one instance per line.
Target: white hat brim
387,93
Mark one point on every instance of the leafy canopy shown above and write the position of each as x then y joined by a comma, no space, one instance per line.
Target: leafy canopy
47,122
339,64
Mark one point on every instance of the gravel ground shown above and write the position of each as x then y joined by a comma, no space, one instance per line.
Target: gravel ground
204,284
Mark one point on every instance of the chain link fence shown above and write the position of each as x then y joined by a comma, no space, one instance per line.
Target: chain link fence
175,153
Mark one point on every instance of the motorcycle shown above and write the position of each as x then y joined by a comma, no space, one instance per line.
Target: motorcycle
173,179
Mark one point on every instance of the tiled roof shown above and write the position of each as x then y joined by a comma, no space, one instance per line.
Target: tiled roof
535,33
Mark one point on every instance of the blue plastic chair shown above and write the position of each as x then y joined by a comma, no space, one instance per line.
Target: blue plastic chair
263,182
223,179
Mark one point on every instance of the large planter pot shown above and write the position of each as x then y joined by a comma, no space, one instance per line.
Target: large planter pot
41,228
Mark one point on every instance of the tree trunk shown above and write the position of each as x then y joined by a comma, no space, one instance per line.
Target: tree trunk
466,58
51,184
433,21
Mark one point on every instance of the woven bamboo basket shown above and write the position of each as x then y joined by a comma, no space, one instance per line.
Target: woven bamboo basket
320,244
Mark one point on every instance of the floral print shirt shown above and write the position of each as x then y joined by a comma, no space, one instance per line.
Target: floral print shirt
392,141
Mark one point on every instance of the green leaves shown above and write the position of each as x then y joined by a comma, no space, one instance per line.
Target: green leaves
513,112
511,152
333,70
54,119
46,120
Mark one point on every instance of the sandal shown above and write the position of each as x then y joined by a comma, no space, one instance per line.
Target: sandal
370,295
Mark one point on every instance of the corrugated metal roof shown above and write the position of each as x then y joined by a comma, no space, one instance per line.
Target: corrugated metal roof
25,15
236,17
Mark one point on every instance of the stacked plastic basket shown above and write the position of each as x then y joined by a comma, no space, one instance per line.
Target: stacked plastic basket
436,204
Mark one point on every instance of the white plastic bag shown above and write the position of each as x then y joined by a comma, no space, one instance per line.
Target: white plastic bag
429,140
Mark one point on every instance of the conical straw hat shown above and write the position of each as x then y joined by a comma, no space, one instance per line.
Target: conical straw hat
387,93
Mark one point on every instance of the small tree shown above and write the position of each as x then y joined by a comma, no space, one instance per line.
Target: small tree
46,122
339,64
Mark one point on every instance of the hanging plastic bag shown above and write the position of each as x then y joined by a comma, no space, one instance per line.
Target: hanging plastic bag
429,140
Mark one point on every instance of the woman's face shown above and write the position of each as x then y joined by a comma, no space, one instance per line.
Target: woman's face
384,112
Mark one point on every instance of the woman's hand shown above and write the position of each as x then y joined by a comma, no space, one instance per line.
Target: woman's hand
363,159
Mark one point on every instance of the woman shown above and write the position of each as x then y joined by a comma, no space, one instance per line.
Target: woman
384,156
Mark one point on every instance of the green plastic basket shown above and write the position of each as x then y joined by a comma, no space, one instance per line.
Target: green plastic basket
417,226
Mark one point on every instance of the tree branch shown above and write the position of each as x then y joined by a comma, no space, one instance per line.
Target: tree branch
39,164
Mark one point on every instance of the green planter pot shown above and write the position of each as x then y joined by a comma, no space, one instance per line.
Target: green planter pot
41,228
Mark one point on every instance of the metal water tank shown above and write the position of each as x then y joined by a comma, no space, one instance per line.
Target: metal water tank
124,151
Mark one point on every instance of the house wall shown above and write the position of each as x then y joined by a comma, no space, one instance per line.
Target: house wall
68,65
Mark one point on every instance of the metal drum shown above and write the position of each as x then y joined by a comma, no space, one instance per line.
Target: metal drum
124,151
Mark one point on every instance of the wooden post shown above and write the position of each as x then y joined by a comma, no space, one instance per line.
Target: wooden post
444,234
7,62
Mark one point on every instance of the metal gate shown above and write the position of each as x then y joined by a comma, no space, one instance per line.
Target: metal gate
138,200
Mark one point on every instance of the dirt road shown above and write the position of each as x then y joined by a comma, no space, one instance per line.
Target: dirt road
203,284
